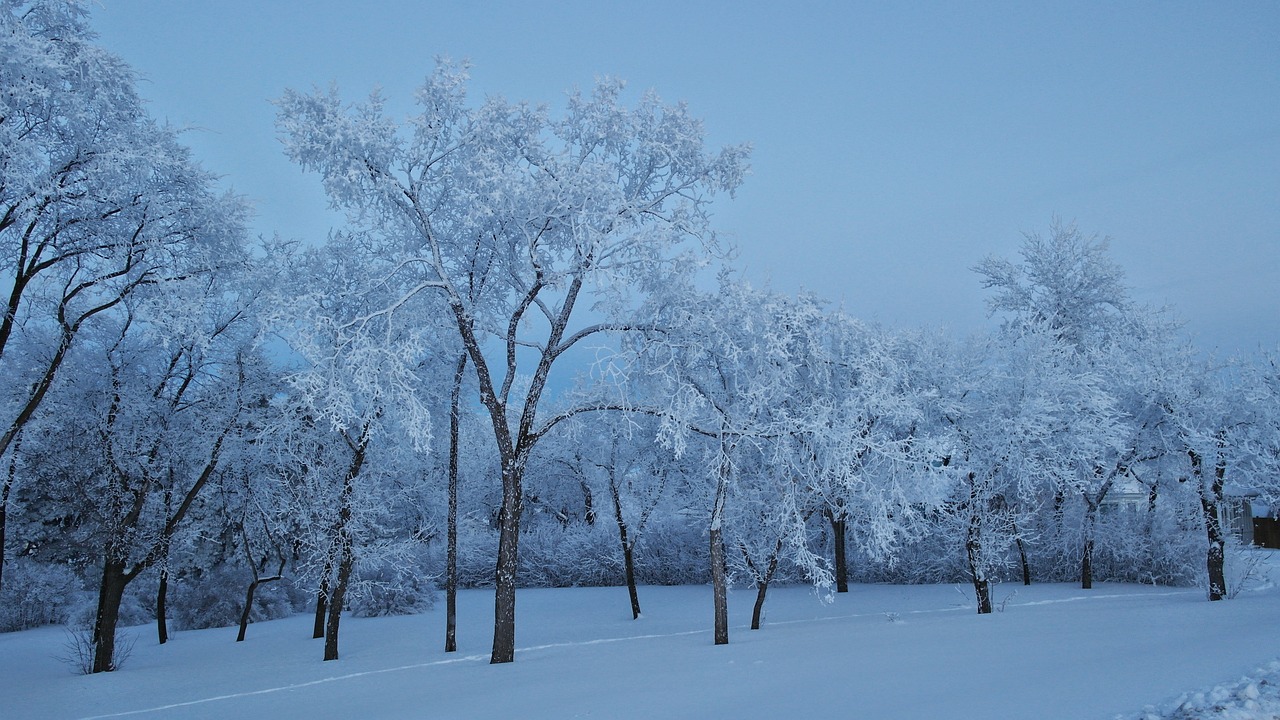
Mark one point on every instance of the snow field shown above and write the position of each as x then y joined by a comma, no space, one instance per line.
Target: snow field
878,652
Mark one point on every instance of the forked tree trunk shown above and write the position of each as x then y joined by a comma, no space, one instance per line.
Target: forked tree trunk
762,579
248,606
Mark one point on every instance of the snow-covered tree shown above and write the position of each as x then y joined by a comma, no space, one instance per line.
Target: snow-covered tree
96,200
362,373
508,216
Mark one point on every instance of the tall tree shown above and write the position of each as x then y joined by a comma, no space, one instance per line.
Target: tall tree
96,200
509,216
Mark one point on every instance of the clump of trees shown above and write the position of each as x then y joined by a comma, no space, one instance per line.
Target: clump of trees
197,428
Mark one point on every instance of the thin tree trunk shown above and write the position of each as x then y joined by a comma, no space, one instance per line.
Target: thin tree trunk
1022,555
762,580
248,606
628,560
839,528
719,583
346,544
162,627
451,559
1086,552
10,478
322,600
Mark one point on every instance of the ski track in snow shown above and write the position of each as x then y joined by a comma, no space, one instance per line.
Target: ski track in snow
597,641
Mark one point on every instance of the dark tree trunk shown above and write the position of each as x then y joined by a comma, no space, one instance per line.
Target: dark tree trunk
322,600
114,580
248,607
973,550
629,566
588,504
10,478
628,558
719,586
1086,552
1210,504
4,512
451,554
162,626
1022,555
504,606
762,580
346,544
839,527
719,581
345,563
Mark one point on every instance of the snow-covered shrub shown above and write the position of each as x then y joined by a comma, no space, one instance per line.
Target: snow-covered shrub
477,553
37,593
578,554
1164,547
216,599
673,551
388,587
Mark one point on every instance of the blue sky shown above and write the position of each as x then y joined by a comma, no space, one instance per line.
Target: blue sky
896,144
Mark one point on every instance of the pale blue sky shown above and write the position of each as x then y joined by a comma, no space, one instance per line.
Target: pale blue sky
895,144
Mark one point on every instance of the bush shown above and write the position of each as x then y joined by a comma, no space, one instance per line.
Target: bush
390,587
217,599
37,593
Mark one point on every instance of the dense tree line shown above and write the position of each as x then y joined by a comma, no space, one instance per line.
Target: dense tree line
507,370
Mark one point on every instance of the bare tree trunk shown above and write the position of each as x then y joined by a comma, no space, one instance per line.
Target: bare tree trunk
322,600
162,627
346,544
719,586
973,550
1210,504
10,478
345,563
248,606
628,559
719,582
762,579
1022,555
839,528
451,559
1086,552
504,607
114,580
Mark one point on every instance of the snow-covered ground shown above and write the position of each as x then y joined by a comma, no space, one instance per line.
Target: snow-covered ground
1054,651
